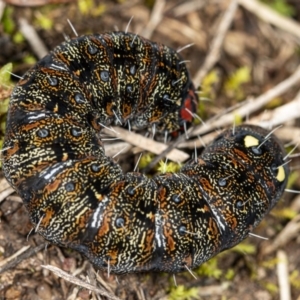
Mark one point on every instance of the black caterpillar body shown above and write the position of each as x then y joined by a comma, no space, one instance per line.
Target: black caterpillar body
79,198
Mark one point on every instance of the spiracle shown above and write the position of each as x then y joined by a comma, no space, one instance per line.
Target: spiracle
77,197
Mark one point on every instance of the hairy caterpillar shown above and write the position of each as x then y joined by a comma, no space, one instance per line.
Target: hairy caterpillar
79,198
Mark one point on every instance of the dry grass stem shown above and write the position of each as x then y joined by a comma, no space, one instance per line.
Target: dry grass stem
2,6
290,231
147,144
155,18
18,257
15,255
214,52
280,115
180,31
68,277
188,7
271,16
114,148
33,38
283,276
6,193
4,184
252,105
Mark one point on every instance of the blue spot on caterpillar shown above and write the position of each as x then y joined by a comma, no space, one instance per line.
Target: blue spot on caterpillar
80,198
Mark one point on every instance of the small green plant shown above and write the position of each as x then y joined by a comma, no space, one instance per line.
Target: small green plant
7,20
89,7
295,279
285,213
5,89
244,248
145,160
210,269
165,167
281,6
234,84
43,21
271,287
208,84
5,72
180,292
29,59
229,274
270,264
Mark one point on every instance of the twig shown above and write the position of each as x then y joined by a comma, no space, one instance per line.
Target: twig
188,7
112,149
269,15
290,231
18,257
4,184
164,153
155,19
6,193
279,115
15,255
169,27
295,206
251,105
147,144
214,290
283,276
217,42
68,277
2,6
37,45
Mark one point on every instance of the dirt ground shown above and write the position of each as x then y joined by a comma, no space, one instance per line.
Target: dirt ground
259,55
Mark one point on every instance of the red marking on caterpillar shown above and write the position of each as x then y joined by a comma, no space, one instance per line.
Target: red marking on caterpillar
80,198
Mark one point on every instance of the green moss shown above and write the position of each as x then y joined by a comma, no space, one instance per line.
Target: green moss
295,279
238,119
43,21
234,84
7,20
145,160
281,6
293,177
208,83
244,248
271,287
285,213
274,103
89,7
5,73
229,274
5,87
210,269
18,38
270,263
29,59
171,167
180,292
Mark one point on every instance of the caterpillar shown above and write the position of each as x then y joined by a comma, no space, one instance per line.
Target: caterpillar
77,197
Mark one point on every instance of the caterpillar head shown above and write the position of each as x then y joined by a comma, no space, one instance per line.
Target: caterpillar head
256,163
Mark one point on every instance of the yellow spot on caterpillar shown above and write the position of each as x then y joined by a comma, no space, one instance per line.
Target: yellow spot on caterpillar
281,174
251,141
65,157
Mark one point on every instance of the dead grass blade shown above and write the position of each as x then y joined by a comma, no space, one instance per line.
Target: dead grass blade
68,277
